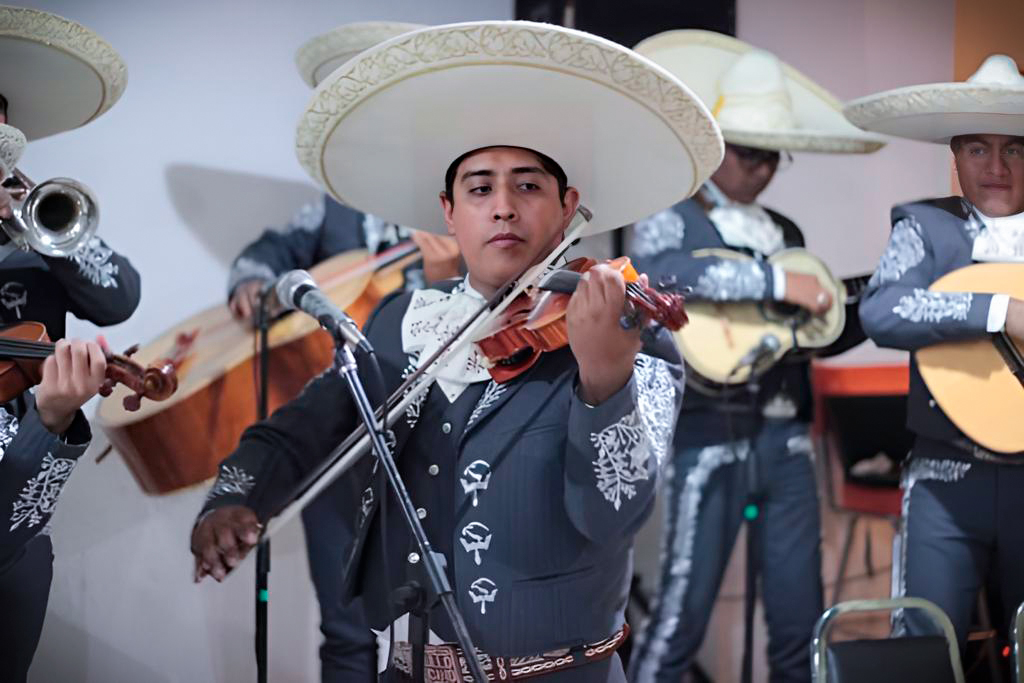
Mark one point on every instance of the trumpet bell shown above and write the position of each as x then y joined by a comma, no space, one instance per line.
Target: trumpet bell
55,217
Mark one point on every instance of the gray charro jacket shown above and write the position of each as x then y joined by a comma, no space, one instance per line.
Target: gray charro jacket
929,239
318,231
532,496
97,285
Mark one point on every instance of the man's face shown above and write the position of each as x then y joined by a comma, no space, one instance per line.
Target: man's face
991,172
745,172
506,214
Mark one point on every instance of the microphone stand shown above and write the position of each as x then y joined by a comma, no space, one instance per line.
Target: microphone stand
263,549
432,563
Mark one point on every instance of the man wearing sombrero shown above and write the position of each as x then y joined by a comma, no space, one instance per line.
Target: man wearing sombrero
56,75
531,489
766,110
318,231
962,505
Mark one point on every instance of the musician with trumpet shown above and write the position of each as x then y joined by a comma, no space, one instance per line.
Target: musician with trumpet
318,231
766,110
50,264
533,488
962,507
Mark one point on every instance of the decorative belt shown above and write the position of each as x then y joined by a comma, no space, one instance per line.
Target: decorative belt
446,663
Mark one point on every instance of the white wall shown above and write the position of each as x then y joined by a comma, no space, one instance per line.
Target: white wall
195,159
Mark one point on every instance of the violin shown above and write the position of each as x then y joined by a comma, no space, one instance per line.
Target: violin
24,347
535,322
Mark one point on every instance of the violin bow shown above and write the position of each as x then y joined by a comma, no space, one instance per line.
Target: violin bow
357,444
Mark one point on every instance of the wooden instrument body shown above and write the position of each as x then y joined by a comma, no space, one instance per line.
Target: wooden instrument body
721,333
969,379
180,442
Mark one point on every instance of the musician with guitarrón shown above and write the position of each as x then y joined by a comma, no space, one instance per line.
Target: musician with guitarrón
318,231
962,503
533,488
766,109
43,434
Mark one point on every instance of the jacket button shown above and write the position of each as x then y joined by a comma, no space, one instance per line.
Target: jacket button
434,470
446,428
421,513
414,558
931,403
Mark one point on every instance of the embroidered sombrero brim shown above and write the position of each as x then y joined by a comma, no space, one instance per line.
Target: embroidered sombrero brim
936,112
55,74
381,131
321,55
700,58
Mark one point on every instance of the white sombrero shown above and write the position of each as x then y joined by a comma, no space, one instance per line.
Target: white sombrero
381,131
326,52
990,101
55,73
758,100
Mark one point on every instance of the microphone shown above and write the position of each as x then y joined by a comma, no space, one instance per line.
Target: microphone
296,290
764,350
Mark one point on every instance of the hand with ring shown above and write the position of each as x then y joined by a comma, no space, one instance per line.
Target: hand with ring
806,291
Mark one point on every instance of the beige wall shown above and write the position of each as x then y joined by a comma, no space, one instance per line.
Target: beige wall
852,48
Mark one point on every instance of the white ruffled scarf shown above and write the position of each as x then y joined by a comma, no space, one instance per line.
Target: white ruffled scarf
430,321
743,225
1001,240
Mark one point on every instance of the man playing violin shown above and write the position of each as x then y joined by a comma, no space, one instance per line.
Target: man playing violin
721,429
318,231
960,527
44,433
531,489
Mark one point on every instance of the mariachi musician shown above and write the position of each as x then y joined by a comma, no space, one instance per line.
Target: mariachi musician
766,110
531,488
42,435
962,506
318,231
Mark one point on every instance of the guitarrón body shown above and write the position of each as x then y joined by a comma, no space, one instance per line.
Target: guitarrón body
969,379
720,334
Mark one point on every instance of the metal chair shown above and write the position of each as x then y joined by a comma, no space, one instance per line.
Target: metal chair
935,659
1018,636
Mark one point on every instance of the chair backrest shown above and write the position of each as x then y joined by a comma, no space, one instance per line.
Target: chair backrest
892,660
935,659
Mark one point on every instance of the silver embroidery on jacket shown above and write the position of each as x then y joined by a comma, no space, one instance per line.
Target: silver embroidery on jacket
13,296
660,232
476,537
93,259
309,217
8,430
379,232
729,280
490,396
905,250
624,449
231,480
245,268
917,469
38,498
933,307
483,591
412,411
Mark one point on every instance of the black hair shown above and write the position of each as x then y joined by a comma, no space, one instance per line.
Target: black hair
546,162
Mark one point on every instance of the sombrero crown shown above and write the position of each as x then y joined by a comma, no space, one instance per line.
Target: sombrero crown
381,130
990,101
758,100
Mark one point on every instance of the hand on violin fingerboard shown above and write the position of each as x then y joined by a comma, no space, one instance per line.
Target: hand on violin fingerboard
603,349
71,376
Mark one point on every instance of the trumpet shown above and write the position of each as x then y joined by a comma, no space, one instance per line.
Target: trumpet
53,218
